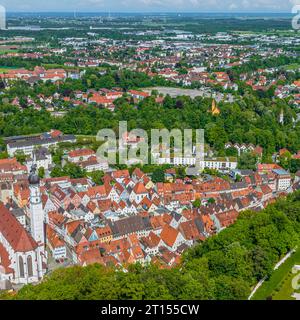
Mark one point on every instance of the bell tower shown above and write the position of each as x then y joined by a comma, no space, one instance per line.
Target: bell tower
36,207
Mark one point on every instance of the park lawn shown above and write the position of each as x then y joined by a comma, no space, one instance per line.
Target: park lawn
285,292
279,284
293,66
5,69
57,66
7,51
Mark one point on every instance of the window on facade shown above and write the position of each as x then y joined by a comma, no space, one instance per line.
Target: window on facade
29,266
21,267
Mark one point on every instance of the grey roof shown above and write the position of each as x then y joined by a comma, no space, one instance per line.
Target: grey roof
176,215
38,141
18,212
281,172
238,185
199,224
129,225
41,153
246,172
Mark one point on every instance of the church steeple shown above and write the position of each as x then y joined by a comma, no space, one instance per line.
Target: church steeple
36,207
281,117
214,109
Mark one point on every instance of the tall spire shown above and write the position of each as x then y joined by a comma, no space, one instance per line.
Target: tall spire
36,207
281,117
33,178
214,109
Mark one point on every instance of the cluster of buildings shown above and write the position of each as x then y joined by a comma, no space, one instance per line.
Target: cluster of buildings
27,144
39,74
126,219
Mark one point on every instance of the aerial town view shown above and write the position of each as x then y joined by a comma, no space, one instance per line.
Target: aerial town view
149,155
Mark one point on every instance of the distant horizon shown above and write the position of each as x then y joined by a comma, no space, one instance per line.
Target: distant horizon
154,12
152,6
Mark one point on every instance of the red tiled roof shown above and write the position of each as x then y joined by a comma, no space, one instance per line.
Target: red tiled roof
139,188
5,261
91,256
54,238
169,235
121,174
81,153
14,233
10,165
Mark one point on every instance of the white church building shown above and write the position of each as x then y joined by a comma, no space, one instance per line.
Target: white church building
23,257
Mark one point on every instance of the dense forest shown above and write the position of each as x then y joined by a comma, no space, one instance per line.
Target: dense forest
225,266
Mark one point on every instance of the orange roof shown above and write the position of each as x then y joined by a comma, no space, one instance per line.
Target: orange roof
189,230
54,238
138,172
151,241
208,223
72,225
104,231
81,153
297,83
121,174
91,256
7,165
139,188
97,190
139,93
5,261
56,218
227,218
14,233
169,235
267,166
157,222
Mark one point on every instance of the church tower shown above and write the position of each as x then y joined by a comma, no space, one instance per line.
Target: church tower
281,117
36,208
214,109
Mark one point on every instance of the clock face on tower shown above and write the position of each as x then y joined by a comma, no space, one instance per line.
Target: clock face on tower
35,200
35,196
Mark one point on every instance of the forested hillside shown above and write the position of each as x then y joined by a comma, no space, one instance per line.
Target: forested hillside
225,266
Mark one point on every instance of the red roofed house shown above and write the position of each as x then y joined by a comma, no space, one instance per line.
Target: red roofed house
171,237
267,167
138,193
80,155
138,94
12,166
56,244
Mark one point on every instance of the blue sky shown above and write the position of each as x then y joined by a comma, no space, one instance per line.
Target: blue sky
151,5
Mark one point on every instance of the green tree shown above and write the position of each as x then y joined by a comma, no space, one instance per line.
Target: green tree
158,175
41,172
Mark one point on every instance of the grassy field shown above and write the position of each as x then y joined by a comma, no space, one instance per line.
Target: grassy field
5,51
294,66
279,285
5,69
